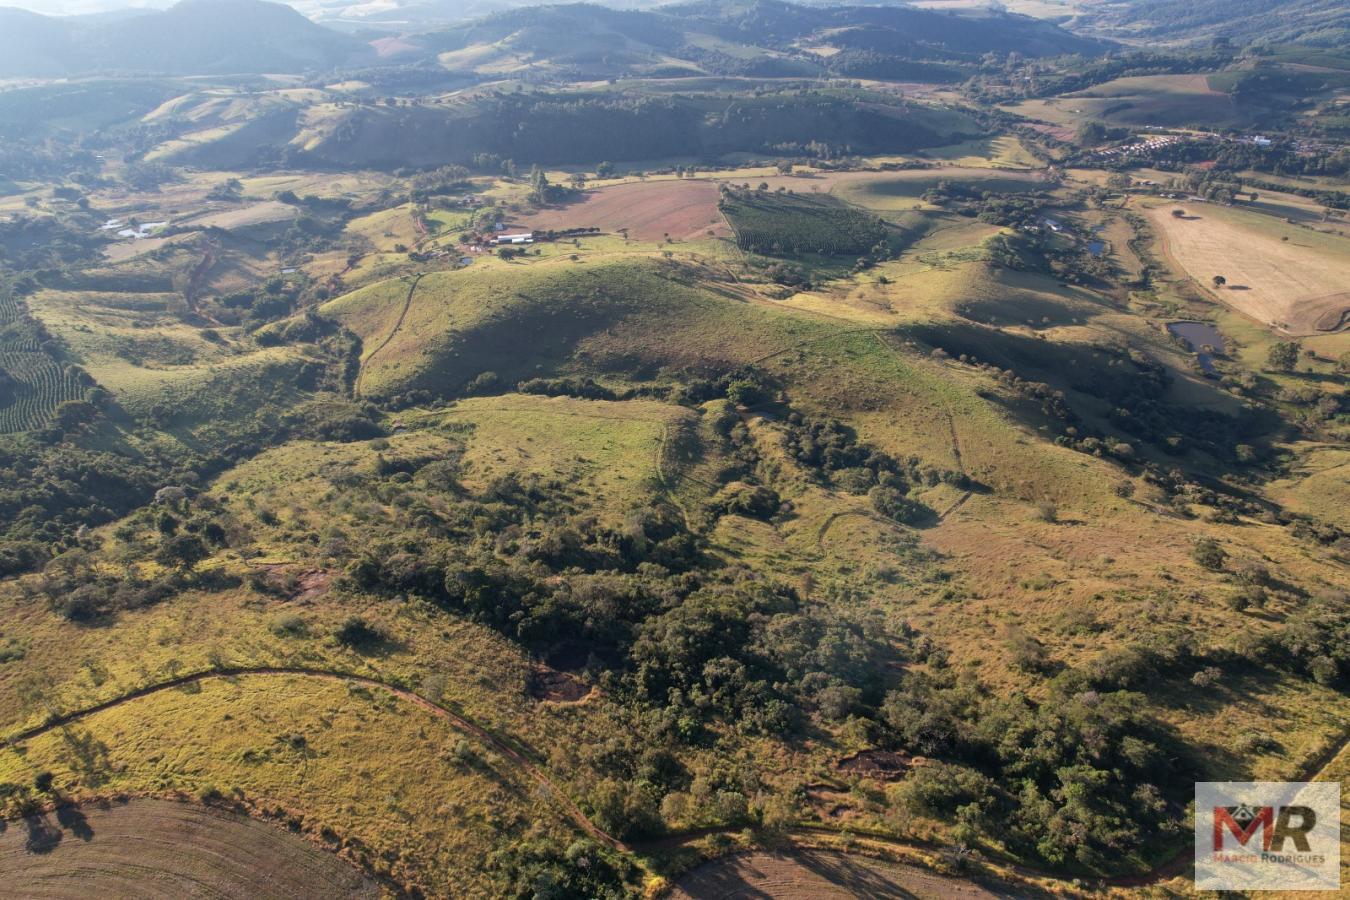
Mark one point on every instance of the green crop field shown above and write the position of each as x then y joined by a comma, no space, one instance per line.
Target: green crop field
792,225
33,383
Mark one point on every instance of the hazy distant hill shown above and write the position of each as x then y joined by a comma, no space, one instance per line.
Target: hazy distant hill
193,37
1323,23
760,38
31,44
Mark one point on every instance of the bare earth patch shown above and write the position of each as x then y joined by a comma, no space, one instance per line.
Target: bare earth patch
649,210
161,849
817,875
557,687
885,765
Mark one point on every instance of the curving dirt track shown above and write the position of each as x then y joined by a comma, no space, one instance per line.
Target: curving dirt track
818,875
407,304
471,728
153,849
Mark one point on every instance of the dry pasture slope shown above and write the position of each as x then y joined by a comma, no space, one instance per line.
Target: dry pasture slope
1300,285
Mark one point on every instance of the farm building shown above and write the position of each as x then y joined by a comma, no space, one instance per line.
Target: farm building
525,237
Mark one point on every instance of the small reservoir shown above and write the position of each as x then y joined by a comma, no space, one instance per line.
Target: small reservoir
1199,335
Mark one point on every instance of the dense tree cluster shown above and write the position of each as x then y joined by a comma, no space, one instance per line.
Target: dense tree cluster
1077,779
1016,210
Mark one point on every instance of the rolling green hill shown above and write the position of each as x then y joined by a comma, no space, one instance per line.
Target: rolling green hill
571,127
447,329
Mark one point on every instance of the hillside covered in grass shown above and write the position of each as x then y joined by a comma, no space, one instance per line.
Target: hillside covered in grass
589,453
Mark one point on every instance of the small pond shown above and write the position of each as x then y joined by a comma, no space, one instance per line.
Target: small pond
1199,335
1096,247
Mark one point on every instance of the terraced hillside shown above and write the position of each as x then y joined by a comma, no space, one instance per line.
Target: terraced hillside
34,382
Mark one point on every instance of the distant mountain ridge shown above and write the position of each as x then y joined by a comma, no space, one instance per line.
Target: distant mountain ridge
755,38
760,38
1324,23
193,37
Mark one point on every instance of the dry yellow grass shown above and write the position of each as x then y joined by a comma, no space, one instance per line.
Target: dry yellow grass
264,213
1318,483
1289,278
379,773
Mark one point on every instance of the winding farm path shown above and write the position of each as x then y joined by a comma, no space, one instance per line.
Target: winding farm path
1311,770
468,726
403,314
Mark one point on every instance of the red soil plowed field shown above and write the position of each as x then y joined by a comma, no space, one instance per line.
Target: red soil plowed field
818,875
648,209
160,849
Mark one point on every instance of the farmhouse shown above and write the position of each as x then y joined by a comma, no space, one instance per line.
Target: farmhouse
525,237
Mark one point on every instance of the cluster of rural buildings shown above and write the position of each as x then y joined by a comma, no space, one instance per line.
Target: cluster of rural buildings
1155,143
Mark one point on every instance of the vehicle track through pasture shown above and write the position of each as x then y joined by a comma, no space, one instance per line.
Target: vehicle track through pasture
481,734
407,305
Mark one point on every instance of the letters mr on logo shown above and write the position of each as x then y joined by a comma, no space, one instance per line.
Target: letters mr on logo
1275,826
1267,835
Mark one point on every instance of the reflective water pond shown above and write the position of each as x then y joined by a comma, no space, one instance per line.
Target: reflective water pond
1199,335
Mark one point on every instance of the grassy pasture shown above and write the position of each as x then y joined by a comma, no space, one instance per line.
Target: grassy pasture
1166,100
893,191
325,185
1318,483
998,152
266,213
612,452
612,311
356,762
